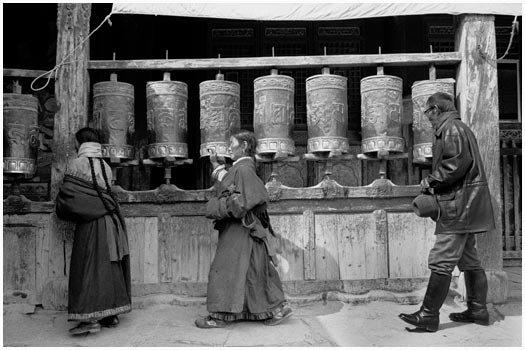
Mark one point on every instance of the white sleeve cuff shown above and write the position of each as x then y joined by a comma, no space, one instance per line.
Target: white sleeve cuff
219,172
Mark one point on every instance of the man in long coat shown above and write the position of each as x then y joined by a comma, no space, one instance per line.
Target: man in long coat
459,184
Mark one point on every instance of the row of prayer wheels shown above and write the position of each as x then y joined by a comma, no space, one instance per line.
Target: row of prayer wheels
327,117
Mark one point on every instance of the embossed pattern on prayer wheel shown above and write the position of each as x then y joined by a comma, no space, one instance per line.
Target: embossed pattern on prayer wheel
20,133
423,131
113,117
220,116
381,114
167,108
273,114
327,113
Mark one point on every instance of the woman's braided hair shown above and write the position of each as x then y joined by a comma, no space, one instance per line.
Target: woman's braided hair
116,210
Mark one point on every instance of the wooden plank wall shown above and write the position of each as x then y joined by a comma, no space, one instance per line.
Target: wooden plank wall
186,247
410,238
31,256
318,246
172,247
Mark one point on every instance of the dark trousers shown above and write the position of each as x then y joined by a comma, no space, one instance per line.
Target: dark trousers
454,249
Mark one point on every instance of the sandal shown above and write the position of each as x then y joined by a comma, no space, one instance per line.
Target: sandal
85,327
110,321
210,322
279,317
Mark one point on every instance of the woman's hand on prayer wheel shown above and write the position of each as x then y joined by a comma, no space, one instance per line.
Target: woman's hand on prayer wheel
214,159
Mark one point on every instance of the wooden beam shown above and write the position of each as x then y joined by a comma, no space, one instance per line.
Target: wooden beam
72,95
71,87
24,73
409,59
477,98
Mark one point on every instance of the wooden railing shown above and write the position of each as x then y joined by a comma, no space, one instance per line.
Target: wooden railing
510,143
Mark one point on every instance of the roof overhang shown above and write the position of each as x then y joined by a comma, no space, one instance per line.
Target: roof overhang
312,11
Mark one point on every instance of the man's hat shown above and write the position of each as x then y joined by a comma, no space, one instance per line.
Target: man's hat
426,205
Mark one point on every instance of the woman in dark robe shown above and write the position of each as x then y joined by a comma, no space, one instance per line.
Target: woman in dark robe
99,274
243,283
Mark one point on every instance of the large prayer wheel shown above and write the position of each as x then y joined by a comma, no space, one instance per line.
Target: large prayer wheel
327,113
423,131
20,133
167,108
381,114
220,114
273,114
113,117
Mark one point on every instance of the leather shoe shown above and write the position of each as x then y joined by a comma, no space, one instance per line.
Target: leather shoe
85,327
110,321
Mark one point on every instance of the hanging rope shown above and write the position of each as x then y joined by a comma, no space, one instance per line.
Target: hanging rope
494,61
55,69
514,26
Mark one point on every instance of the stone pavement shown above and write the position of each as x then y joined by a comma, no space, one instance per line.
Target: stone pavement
169,322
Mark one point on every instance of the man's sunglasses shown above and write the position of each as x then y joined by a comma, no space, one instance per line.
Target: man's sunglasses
429,109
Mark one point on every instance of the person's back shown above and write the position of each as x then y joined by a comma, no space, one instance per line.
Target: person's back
99,276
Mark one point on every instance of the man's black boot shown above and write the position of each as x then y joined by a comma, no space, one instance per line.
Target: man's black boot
476,286
427,318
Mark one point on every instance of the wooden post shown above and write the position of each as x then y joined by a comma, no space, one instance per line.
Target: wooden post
72,93
477,99
71,85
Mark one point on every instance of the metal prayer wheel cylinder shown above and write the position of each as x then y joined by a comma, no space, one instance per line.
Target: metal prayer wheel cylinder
381,114
20,133
220,116
273,114
167,111
113,117
421,127
327,113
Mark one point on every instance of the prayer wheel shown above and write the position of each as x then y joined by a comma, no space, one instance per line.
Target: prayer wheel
273,113
20,133
327,113
423,131
381,114
113,117
167,111
220,114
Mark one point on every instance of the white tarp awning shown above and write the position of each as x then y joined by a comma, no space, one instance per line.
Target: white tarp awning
312,11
